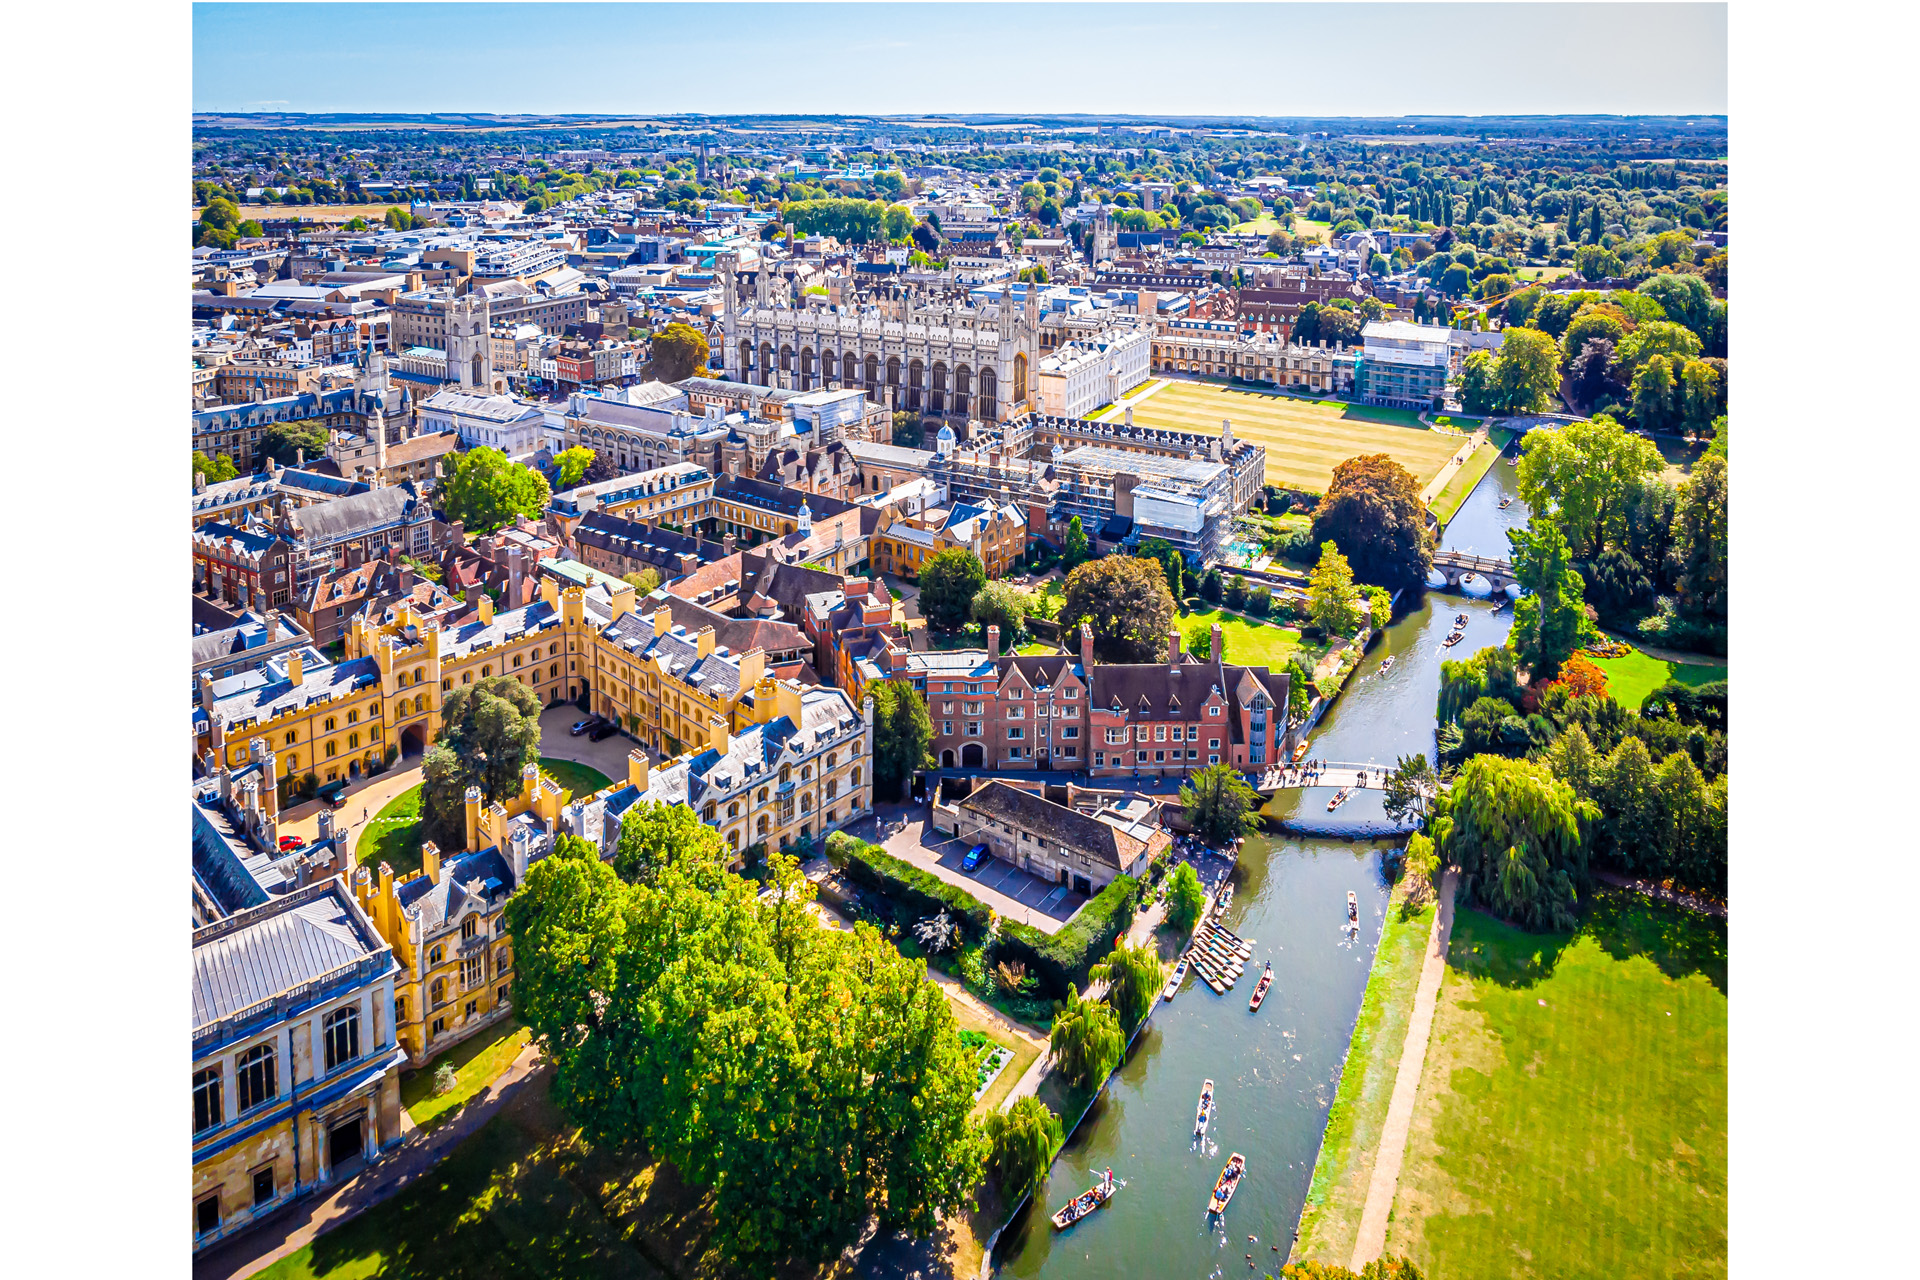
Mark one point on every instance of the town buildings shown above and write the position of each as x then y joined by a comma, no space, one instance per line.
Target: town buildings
1404,364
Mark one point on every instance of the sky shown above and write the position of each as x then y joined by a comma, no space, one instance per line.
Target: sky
892,58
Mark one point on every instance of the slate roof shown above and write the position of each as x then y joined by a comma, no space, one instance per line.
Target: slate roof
350,517
1058,824
716,675
264,693
272,949
736,635
827,715
437,903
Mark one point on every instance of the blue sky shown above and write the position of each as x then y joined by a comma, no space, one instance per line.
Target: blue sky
1217,59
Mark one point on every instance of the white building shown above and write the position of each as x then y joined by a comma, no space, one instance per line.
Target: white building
1081,376
513,426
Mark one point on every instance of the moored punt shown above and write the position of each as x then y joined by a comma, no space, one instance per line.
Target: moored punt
1300,751
1082,1205
1228,1183
1173,983
1205,1115
1260,991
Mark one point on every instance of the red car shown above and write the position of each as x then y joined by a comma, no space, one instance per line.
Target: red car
292,842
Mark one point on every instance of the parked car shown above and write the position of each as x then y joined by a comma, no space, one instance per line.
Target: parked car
974,855
293,842
602,732
584,726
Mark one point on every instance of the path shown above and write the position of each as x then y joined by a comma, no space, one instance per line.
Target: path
1117,412
1406,1087
1439,483
299,1226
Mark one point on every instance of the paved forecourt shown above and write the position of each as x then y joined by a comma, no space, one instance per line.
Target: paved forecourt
1305,439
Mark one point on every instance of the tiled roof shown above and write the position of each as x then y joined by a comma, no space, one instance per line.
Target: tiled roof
263,694
270,950
1060,825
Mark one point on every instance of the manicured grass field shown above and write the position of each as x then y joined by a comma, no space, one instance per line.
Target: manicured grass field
1250,641
477,1062
1305,439
1035,648
1572,1119
1338,1194
1632,678
582,780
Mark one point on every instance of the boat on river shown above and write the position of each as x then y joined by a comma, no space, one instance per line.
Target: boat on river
1506,502
1353,905
1228,1183
1339,798
1460,620
1386,666
1205,1115
1082,1205
1300,751
1260,991
1173,983
1453,638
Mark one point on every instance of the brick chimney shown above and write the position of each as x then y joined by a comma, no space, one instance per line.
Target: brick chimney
1086,649
1173,646
1217,643
993,644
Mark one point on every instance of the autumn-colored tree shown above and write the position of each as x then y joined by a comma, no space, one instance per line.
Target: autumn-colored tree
1582,678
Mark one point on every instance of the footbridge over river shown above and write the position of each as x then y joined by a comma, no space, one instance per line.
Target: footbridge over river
1322,773
1456,566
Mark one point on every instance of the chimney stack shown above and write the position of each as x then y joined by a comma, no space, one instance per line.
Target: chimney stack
1217,643
637,769
993,644
429,863
294,673
1086,649
1173,646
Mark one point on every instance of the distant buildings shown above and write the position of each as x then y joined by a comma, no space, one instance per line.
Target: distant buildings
1403,364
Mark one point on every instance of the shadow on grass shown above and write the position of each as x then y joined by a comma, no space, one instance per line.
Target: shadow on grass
1679,942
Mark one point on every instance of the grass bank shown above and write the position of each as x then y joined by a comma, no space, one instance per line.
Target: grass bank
1330,1219
1447,503
1253,642
1632,678
1583,1072
477,1062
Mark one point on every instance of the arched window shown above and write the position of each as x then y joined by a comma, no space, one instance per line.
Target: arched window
855,780
516,659
373,733
486,671
437,993
290,737
502,961
553,672
353,741
353,715
293,763
761,827
328,725
330,748
434,956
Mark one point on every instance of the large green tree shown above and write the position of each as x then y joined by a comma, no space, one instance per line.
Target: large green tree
809,1078
287,443
1087,1040
1002,605
1186,897
1219,804
487,491
1519,835
1134,976
1022,1140
1332,600
1074,548
490,731
1582,475
902,730
570,466
1700,540
1547,620
1126,602
213,470
948,583
679,351
656,833
1372,511
1526,377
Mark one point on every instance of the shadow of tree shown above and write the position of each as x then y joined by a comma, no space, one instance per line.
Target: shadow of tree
1622,923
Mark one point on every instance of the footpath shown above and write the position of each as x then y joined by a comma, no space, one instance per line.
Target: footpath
1372,1237
418,1154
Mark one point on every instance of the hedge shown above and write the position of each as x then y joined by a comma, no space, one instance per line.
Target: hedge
921,893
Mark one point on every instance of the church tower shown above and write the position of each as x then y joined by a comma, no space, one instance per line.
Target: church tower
469,350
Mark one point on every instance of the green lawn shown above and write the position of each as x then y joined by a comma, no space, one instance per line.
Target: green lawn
1331,1217
1038,648
582,780
1572,1119
1252,641
1632,678
477,1062
394,836
1305,439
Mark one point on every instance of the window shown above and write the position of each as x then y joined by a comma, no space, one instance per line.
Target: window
469,926
262,1186
1213,744
290,736
1159,733
436,955
1014,735
207,1112
206,1214
257,1078
473,1008
353,717
439,1025
329,725
502,961
341,1030
437,993
399,1009
1213,711
473,971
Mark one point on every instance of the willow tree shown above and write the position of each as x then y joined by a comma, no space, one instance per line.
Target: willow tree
1519,834
1133,976
1087,1043
1022,1140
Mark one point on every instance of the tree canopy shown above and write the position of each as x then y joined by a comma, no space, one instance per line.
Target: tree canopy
288,442
1372,511
1331,598
1087,1040
490,732
1581,475
487,491
1134,976
1186,896
902,730
1547,621
1519,834
809,1077
570,467
679,351
948,583
1219,804
1126,603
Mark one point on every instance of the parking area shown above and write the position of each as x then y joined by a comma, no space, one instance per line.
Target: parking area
903,831
1052,900
609,755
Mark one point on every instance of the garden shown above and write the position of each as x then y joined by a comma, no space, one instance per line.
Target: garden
395,834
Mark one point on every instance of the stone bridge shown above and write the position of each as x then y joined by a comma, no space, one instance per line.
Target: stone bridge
1456,566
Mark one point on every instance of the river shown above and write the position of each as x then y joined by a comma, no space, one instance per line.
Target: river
1275,1072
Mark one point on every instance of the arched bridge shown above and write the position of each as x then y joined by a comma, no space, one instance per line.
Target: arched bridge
1455,566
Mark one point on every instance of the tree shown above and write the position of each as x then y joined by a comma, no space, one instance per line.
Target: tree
1594,320
1519,835
1022,1140
907,432
1409,788
654,834
1655,338
1478,393
213,470
1685,298
1331,598
1299,691
1653,396
1590,377
644,582
490,732
1133,976
1172,564
1700,540
1582,473
1219,804
288,442
488,491
1186,897
1526,375
1074,548
1422,862
1629,800
679,351
1373,513
808,1078
1398,1268
1127,604
603,467
1594,262
901,731
1581,678
948,583
1547,620
570,467
1003,605
1087,1043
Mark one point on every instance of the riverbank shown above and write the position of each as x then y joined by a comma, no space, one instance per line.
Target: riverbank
1335,1198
